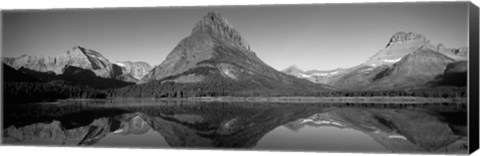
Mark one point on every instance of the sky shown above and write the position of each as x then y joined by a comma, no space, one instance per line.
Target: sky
321,36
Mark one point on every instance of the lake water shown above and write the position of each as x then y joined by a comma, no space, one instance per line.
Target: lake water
385,128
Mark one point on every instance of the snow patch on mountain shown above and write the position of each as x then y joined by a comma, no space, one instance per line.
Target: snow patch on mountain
397,137
120,64
322,122
305,75
229,73
325,74
228,70
391,60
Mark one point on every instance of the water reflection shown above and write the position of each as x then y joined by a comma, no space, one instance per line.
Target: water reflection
133,132
326,138
439,128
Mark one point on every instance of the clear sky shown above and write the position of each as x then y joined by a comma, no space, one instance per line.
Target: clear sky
324,36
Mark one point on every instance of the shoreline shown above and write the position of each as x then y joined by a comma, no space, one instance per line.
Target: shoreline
306,100
379,99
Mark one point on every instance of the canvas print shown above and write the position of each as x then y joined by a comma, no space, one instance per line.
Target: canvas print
371,78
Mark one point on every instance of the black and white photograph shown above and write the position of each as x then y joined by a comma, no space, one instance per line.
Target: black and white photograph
356,78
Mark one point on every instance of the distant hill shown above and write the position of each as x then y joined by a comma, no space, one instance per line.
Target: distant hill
455,74
12,75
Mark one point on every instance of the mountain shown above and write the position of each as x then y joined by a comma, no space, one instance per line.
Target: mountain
209,37
409,60
315,76
216,58
21,88
399,45
402,44
415,69
358,77
80,65
136,69
77,56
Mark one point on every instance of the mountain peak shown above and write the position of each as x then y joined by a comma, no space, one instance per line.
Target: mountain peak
407,36
80,50
217,26
399,45
77,50
216,17
404,37
78,47
212,19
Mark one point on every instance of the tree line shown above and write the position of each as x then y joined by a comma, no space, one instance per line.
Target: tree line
20,92
174,90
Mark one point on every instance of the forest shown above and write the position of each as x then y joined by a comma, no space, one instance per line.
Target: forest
21,92
245,89
19,87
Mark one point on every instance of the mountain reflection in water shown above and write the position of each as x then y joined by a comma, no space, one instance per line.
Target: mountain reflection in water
410,128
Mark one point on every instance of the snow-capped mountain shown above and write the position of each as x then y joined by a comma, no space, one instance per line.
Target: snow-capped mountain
420,61
217,57
399,45
415,69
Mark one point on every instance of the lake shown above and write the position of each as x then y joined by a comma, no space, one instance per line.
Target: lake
334,127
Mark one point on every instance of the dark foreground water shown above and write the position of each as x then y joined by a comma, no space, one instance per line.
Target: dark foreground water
385,128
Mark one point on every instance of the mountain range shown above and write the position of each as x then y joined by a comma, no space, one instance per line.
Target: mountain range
215,60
